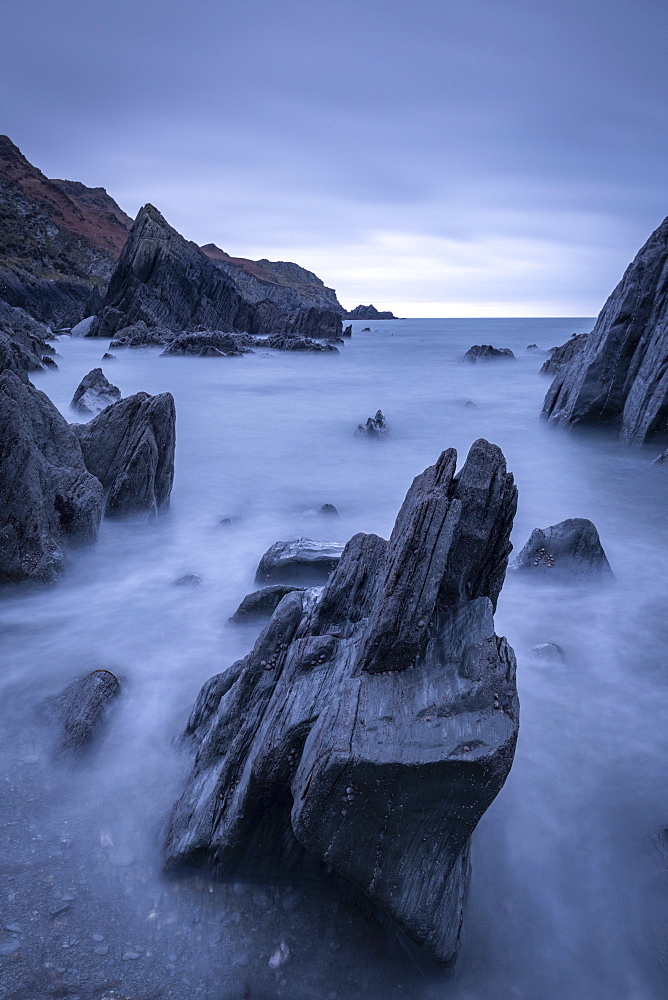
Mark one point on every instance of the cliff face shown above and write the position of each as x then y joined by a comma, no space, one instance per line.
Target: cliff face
620,378
58,239
288,285
168,282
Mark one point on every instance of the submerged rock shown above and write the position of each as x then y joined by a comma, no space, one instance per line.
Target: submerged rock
372,725
570,548
290,343
188,580
485,352
129,447
560,356
48,499
262,603
80,710
549,652
94,393
298,559
620,378
375,427
139,335
329,509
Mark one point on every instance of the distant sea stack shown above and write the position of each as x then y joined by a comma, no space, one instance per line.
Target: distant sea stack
619,378
368,312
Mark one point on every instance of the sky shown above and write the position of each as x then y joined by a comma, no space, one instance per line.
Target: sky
436,158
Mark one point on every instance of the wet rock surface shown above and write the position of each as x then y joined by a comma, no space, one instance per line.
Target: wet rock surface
571,548
299,560
292,343
375,427
560,356
261,604
129,447
485,352
94,393
48,499
80,710
620,378
372,724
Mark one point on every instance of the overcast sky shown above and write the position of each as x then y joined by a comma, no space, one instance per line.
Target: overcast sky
438,158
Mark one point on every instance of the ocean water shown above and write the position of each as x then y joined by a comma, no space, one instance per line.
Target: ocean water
569,894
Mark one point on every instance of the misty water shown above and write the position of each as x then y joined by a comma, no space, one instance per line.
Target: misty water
569,893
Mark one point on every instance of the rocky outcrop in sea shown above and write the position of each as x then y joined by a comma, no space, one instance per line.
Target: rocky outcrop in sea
368,312
485,352
620,378
373,723
94,392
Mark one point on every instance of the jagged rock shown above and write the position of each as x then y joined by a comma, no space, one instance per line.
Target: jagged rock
23,345
48,362
485,352
211,343
372,725
94,392
298,559
347,331
48,500
290,343
165,281
662,459
138,335
366,329
108,357
570,548
80,710
329,509
262,603
83,328
549,652
620,379
375,427
129,447
368,312
559,356
188,580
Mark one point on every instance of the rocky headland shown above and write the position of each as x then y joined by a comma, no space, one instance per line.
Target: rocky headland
368,312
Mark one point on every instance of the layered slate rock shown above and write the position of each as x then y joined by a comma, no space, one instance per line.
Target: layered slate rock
485,352
560,356
373,724
301,559
48,499
23,342
571,548
620,379
94,392
129,447
164,281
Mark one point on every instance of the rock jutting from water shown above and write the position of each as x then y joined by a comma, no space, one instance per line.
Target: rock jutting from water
262,603
485,352
299,559
129,447
94,393
139,335
375,427
288,343
373,723
571,548
80,710
560,356
620,378
48,499
368,312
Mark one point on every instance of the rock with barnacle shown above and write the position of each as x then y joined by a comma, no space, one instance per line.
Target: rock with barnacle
374,721
569,549
375,427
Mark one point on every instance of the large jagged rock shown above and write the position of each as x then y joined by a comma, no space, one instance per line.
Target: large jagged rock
208,343
94,392
569,549
165,281
560,356
620,378
371,726
129,447
48,499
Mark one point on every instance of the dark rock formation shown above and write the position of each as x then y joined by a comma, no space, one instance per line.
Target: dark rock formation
108,357
139,335
94,392
58,239
571,548
347,331
290,343
23,341
368,312
620,379
559,356
80,710
329,509
375,427
299,559
370,727
48,500
485,352
210,343
165,281
262,603
129,447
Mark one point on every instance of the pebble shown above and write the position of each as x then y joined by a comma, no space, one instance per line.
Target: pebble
13,928
97,937
241,958
9,949
128,955
103,949
59,910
